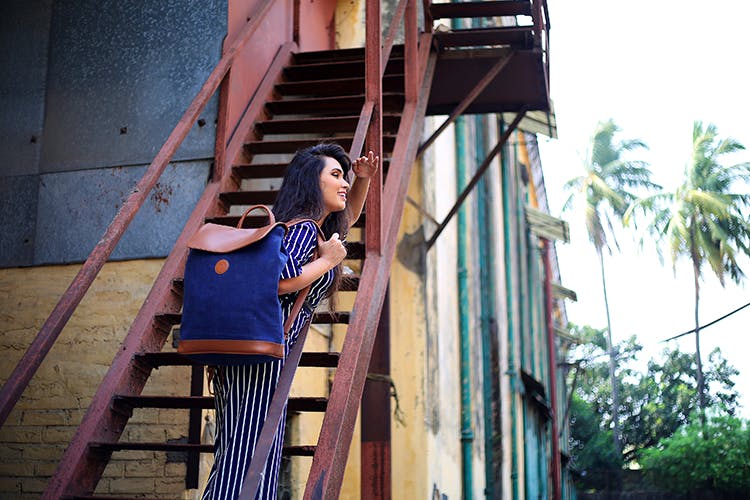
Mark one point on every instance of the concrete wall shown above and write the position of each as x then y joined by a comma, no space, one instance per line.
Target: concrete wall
44,420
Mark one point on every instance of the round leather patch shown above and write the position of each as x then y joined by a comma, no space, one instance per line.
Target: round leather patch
221,266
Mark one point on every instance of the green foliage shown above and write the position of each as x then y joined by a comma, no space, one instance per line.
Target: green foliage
654,403
592,446
664,398
690,461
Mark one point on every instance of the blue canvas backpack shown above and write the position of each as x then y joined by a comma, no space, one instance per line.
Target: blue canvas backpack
231,312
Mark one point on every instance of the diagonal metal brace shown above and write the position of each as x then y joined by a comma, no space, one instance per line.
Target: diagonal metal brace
470,97
478,175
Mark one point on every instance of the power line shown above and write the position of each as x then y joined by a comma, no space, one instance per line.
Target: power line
707,324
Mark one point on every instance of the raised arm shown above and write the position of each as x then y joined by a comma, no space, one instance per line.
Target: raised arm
363,168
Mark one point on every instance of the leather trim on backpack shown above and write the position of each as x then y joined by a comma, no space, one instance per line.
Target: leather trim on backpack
227,346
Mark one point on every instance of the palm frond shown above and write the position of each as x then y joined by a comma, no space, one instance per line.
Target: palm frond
703,219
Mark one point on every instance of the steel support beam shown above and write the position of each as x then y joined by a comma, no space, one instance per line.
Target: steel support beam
375,450
478,175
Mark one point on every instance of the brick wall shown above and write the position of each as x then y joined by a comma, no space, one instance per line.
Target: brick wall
44,420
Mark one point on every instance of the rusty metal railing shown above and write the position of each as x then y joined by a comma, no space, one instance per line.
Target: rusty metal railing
540,16
58,318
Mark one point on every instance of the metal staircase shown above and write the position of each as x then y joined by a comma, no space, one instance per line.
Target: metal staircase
377,96
318,97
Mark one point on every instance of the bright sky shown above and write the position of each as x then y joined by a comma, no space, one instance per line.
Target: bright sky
654,67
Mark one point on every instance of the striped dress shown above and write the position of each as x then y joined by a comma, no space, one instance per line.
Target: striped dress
243,393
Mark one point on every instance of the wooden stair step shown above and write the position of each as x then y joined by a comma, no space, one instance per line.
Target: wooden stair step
338,69
309,359
340,318
516,36
329,55
260,170
267,197
392,102
349,283
337,86
323,125
339,54
293,145
257,221
301,404
101,497
267,170
298,450
480,9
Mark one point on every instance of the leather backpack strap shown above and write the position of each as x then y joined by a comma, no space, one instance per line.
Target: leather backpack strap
296,308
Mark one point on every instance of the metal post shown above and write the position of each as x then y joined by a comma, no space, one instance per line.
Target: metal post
374,93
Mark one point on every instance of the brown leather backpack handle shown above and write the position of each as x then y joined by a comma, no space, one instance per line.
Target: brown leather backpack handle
271,218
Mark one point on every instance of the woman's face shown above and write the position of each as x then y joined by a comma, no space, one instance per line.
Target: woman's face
333,186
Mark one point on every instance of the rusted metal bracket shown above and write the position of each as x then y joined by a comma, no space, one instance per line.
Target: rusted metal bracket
466,102
478,175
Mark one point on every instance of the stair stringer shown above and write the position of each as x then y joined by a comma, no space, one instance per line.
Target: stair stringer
329,461
79,469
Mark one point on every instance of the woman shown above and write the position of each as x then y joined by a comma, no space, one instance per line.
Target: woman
315,187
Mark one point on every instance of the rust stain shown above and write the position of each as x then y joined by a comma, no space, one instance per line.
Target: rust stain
161,195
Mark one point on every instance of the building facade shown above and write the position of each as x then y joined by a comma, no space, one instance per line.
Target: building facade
464,396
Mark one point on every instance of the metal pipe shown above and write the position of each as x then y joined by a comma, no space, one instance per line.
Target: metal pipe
507,192
486,284
467,433
552,352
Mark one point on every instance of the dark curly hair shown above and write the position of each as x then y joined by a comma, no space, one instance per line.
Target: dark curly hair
300,196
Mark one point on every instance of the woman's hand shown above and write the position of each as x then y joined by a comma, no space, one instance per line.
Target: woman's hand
365,167
332,250
330,254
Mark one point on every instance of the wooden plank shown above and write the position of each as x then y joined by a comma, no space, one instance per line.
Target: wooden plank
481,9
519,37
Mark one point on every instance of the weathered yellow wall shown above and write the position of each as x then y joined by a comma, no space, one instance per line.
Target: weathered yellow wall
409,472
443,369
44,420
350,24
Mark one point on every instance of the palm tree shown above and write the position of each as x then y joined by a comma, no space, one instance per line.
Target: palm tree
703,218
604,191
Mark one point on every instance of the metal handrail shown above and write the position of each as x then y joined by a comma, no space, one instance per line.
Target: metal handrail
358,142
58,318
540,16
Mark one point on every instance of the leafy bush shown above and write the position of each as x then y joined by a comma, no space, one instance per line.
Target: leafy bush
691,460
